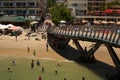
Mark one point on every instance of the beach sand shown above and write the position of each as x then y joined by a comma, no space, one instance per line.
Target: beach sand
9,47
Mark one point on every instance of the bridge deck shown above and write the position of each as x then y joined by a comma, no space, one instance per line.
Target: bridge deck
109,35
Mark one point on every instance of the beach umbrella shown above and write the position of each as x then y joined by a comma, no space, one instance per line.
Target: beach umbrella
3,26
15,28
62,21
9,25
84,21
34,22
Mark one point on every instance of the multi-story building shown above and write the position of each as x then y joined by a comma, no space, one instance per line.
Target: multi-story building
111,0
96,5
21,7
78,7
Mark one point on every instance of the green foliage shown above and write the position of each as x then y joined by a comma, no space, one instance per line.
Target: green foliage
60,12
103,8
51,3
112,3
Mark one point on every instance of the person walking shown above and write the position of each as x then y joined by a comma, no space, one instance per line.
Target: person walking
9,69
28,49
46,46
42,69
16,37
32,64
40,78
38,63
56,72
13,62
83,78
34,52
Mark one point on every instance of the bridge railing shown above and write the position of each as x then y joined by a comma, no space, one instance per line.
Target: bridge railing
106,34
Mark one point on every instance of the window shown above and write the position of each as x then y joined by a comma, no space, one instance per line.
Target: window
74,5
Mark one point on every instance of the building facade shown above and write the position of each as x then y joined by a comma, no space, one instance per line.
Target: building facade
21,7
60,1
96,5
78,7
107,1
84,7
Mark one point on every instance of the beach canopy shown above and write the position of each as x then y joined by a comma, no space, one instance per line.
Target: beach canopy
9,25
3,26
7,18
34,22
15,28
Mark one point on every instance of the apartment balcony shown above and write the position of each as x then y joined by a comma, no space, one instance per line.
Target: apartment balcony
19,7
17,0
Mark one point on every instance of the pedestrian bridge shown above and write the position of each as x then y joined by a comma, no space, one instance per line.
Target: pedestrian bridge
107,35
111,37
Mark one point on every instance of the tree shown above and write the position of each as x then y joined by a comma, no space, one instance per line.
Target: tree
112,3
60,12
103,7
51,3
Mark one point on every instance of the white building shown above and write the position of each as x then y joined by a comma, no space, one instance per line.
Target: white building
21,7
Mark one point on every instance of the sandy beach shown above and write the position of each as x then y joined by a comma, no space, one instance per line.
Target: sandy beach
9,47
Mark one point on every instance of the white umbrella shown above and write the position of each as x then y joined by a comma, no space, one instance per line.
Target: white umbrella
34,22
62,21
9,25
84,21
3,26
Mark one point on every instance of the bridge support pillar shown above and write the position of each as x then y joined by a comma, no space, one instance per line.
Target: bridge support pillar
62,43
58,42
114,57
86,56
89,55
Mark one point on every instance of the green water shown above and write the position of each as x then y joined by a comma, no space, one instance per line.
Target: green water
22,70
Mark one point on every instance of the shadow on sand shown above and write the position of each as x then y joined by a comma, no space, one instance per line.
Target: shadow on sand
100,68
